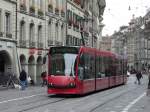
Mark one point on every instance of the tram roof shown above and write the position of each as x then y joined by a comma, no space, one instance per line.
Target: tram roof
102,52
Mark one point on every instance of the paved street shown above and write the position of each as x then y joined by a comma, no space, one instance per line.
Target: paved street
128,98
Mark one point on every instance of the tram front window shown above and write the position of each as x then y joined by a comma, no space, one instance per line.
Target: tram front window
63,64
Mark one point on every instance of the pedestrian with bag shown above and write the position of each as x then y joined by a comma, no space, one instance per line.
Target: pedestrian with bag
23,79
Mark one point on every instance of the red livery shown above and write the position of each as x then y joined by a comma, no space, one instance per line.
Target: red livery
80,70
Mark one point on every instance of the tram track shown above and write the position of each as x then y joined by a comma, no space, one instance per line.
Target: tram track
78,100
48,103
40,105
111,99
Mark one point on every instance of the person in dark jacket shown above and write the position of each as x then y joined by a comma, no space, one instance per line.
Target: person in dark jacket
139,76
44,78
23,79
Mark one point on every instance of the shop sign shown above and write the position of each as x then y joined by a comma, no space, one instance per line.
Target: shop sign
32,51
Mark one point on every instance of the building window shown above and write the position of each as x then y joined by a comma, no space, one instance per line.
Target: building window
63,4
56,32
71,40
31,32
0,20
62,33
39,33
67,40
69,17
50,31
57,3
32,6
40,8
7,18
22,30
40,4
32,2
22,5
76,42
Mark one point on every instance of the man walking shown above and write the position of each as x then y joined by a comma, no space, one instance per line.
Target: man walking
23,79
139,76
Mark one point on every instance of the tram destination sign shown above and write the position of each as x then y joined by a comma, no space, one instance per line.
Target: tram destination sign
62,50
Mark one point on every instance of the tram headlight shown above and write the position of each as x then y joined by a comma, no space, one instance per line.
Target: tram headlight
72,84
50,85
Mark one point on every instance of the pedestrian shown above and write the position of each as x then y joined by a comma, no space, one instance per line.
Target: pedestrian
44,78
139,76
23,79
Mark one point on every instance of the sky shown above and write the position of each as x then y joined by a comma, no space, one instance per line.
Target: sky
120,12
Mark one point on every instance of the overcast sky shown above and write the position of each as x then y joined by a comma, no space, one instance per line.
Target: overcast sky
119,12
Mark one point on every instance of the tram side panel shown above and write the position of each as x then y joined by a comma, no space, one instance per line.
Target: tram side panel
89,70
102,81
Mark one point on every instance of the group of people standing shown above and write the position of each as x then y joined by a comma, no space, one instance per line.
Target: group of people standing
26,79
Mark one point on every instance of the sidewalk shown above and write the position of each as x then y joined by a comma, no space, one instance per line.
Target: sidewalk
6,94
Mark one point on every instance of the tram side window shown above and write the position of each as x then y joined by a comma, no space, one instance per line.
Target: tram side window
124,67
117,67
92,66
110,66
87,67
100,68
81,67
98,73
113,67
120,67
107,69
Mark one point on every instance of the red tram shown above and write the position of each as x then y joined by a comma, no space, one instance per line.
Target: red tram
80,70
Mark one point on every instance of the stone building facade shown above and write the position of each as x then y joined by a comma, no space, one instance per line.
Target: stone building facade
40,24
8,58
28,28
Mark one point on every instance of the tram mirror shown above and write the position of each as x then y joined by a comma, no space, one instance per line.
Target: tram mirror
80,73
